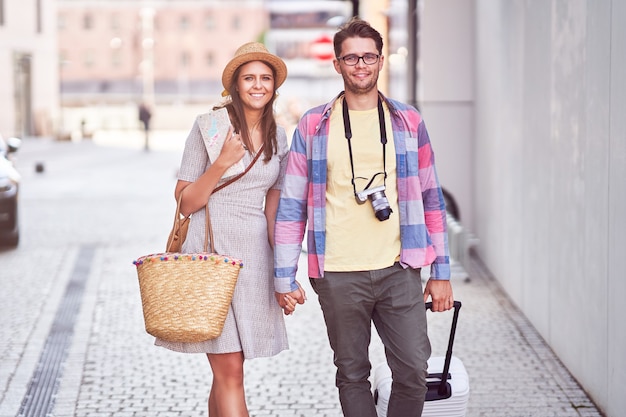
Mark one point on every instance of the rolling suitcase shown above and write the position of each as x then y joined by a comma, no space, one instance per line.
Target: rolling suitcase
446,397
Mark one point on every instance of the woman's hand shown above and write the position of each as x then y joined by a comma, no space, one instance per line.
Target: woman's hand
232,150
288,301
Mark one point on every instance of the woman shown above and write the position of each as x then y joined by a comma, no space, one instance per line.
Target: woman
242,217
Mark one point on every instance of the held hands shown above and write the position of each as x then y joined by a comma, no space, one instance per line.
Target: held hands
232,150
288,301
441,295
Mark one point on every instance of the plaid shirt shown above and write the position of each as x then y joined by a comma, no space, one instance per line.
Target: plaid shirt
423,236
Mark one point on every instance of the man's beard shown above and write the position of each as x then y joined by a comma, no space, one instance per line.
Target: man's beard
359,89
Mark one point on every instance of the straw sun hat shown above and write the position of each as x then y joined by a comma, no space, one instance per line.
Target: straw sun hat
253,51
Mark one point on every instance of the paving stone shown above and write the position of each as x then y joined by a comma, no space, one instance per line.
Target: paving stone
114,369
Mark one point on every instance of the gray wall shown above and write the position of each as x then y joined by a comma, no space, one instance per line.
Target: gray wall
446,95
547,170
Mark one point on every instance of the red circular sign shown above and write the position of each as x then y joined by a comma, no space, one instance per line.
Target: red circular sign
322,48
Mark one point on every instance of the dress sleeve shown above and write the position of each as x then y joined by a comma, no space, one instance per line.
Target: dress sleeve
195,160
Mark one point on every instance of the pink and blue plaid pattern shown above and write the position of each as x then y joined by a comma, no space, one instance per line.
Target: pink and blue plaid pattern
423,233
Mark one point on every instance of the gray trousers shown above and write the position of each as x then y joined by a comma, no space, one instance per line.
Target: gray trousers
393,299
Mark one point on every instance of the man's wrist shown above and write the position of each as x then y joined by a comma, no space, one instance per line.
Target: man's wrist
285,285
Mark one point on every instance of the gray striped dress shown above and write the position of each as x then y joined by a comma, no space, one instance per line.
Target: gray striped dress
255,322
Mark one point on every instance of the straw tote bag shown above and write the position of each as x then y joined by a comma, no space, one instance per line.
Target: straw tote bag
185,296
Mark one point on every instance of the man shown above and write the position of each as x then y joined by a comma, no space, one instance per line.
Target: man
144,116
361,172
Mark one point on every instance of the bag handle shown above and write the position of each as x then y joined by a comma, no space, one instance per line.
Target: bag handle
442,389
236,177
208,230
177,218
178,228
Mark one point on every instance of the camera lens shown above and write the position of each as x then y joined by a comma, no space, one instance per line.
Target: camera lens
381,205
383,214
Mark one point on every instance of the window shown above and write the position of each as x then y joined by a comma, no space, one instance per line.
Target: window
89,58
209,22
63,61
87,22
38,17
209,58
236,22
61,21
185,59
116,58
183,24
115,22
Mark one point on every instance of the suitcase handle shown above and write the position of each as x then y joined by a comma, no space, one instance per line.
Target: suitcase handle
443,386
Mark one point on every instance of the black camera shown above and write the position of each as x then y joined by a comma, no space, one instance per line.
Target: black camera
379,201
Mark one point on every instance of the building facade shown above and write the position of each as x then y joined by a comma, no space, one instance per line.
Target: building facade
170,54
162,50
28,67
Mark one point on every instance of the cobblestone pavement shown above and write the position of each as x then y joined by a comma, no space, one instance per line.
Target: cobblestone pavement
115,204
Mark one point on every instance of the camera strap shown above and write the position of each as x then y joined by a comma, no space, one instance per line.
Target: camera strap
383,140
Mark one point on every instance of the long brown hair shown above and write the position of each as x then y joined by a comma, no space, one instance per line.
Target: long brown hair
267,123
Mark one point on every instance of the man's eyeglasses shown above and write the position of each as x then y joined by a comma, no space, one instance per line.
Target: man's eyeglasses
352,59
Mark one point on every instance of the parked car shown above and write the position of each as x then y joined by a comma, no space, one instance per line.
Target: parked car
9,193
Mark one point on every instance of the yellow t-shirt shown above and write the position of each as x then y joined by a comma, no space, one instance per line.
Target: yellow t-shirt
355,239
